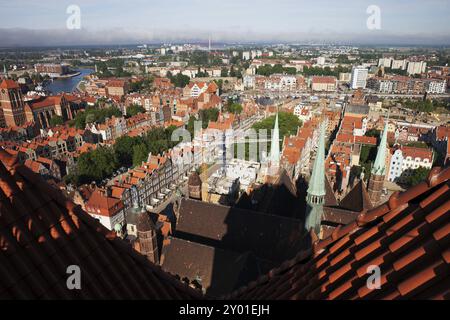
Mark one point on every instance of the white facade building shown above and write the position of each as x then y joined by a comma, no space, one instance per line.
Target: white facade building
405,159
385,62
359,77
437,86
416,67
399,64
246,55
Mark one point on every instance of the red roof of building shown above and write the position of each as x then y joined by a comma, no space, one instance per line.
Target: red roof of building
9,84
42,233
415,152
407,238
101,204
323,79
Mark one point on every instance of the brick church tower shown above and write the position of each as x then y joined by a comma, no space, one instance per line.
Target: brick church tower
12,111
147,237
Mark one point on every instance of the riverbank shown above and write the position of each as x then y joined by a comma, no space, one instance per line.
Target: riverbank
66,76
69,84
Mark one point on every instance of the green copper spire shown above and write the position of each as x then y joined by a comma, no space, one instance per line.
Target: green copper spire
317,182
316,189
379,167
275,144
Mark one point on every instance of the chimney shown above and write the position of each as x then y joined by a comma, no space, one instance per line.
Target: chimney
108,191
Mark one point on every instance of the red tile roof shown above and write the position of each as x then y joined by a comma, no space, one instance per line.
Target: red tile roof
42,233
415,152
407,238
103,205
323,79
9,84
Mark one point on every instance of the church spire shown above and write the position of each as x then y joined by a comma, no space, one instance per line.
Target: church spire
379,167
378,173
316,190
275,144
317,181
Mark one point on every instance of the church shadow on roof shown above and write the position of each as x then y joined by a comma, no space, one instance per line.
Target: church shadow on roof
283,198
224,248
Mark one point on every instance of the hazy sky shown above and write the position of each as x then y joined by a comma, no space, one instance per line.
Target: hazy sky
31,22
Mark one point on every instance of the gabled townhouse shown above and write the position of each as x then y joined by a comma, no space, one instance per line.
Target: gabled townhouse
405,159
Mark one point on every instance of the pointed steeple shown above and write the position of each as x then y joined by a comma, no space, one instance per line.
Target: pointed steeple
379,167
378,173
317,181
316,190
5,72
275,144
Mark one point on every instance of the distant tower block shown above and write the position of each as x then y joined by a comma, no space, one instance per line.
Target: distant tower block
195,186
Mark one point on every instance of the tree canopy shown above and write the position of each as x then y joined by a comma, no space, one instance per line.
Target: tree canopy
417,176
56,121
128,151
180,80
134,109
92,114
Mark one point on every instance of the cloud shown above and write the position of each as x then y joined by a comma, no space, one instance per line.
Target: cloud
20,37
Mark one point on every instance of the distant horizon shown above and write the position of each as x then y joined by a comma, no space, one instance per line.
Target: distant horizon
115,22
220,45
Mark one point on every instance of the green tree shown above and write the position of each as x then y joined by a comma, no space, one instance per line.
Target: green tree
287,122
140,154
96,165
134,109
417,176
235,108
224,72
180,80
122,149
56,121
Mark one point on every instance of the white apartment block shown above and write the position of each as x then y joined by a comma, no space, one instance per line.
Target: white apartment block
437,86
405,159
359,77
399,64
249,82
321,61
416,67
385,62
281,83
246,55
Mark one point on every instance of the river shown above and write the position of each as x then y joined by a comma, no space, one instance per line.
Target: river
67,84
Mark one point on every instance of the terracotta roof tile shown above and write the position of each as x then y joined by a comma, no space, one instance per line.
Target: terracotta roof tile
407,238
42,233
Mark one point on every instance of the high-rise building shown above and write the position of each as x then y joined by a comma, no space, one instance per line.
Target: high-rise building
359,77
12,111
385,62
416,67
